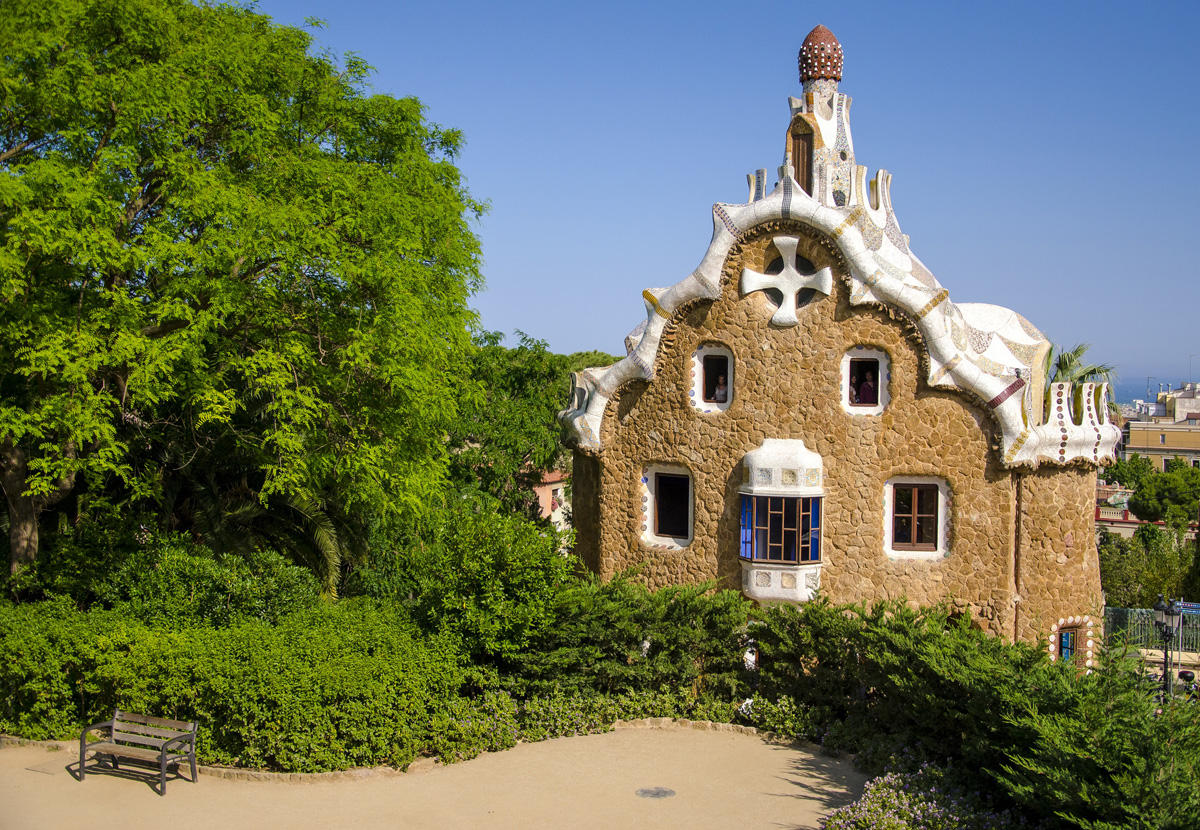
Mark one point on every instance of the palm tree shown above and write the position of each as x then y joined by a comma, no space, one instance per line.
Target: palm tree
1069,366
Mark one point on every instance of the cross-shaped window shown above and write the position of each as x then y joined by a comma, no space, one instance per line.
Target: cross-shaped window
790,281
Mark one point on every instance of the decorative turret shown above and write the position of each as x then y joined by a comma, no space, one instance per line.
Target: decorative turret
820,57
820,153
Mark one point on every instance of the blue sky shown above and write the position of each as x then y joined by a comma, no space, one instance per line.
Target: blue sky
1042,153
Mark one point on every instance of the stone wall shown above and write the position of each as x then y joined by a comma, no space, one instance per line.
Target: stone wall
1058,568
585,508
787,384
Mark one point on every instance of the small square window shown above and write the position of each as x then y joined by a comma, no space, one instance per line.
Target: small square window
914,516
1066,644
915,520
863,387
864,382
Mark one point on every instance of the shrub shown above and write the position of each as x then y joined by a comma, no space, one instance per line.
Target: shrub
619,637
1105,753
173,582
901,687
891,679
488,578
328,688
928,799
168,580
495,720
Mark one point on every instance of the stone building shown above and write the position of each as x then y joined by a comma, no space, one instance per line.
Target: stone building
809,409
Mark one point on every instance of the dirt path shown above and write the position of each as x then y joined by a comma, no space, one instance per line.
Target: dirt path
718,779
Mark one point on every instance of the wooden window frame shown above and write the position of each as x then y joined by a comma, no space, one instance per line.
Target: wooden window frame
1073,633
916,516
761,509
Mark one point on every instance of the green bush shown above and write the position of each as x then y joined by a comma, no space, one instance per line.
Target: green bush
172,582
332,687
1104,753
168,580
891,680
902,688
618,637
495,720
488,578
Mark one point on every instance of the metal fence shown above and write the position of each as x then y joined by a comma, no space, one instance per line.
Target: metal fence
1137,625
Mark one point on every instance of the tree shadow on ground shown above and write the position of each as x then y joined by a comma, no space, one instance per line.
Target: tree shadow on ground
828,781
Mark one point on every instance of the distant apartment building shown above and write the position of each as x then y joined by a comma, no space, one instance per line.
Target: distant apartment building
1166,428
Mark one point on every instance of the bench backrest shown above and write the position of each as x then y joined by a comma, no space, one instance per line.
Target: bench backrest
148,731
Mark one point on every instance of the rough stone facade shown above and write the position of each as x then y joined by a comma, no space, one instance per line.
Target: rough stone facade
1013,533
1017,484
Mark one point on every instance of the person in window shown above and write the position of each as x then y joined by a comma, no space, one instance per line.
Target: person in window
866,392
721,392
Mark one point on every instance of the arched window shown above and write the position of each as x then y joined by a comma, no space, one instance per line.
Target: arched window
712,378
801,146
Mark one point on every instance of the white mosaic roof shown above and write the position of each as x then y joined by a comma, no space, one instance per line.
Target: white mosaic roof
989,352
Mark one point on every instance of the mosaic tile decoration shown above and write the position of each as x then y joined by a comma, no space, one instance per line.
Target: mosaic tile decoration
987,351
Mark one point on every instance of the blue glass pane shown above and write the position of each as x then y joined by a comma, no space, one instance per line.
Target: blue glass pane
815,508
1066,644
747,549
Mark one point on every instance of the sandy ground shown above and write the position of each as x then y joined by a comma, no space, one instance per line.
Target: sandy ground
718,780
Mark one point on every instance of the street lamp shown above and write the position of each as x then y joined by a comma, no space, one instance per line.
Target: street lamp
1167,616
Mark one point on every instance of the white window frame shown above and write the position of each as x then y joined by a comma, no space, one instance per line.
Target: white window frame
882,382
945,501
696,393
649,537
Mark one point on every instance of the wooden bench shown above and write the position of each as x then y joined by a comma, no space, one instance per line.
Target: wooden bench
142,738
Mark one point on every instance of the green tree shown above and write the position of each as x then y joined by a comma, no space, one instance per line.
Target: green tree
1128,472
507,436
1133,572
1172,496
217,248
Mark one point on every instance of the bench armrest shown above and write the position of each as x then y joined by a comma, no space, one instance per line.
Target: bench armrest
107,724
182,740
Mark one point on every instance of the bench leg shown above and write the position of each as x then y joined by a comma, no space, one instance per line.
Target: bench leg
113,758
82,757
162,775
192,760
